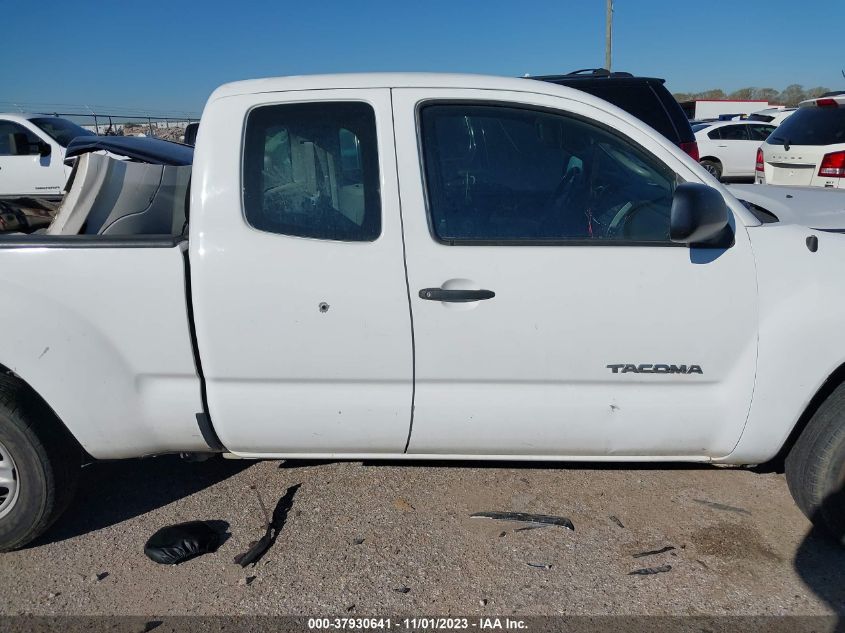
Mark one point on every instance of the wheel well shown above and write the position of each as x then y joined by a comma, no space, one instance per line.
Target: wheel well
833,381
35,399
712,159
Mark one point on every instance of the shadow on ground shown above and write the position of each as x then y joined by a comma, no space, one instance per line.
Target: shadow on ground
111,492
820,559
293,464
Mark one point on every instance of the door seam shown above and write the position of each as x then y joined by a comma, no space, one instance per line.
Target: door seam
407,282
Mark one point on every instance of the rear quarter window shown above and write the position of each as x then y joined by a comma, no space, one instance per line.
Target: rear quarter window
311,170
640,101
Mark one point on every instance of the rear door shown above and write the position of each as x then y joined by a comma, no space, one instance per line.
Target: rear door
552,315
299,289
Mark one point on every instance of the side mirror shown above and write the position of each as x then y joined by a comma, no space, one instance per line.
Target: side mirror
699,214
44,149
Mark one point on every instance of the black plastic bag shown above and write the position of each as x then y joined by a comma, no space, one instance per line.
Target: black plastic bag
175,544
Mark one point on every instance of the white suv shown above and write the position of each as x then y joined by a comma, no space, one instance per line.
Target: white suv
727,148
808,148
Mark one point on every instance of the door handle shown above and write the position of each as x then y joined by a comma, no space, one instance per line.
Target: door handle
455,296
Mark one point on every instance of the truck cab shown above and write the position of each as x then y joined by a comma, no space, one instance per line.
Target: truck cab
32,152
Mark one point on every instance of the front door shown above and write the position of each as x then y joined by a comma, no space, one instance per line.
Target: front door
552,315
299,290
23,171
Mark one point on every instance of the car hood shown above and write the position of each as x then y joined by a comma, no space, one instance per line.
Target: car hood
813,207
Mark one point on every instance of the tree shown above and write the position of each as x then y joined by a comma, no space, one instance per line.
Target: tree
715,93
818,91
792,95
765,94
743,94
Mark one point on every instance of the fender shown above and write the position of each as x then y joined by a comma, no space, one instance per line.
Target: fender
801,333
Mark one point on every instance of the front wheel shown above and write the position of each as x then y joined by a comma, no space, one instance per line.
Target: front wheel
815,467
39,466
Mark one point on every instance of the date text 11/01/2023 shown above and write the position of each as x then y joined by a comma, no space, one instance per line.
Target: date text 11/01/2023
415,624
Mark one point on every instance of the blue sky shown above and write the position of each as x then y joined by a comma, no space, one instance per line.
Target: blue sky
171,55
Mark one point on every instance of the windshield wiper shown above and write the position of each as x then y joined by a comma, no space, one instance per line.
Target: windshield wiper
785,142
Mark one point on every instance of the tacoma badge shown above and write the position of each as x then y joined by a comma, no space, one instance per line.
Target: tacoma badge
655,369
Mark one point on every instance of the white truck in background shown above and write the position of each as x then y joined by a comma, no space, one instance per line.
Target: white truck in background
418,266
32,154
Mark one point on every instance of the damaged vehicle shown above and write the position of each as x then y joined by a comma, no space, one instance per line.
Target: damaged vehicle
421,267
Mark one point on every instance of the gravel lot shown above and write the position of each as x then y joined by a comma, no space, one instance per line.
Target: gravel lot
357,533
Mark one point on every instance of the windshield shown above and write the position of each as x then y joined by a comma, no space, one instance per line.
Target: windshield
811,126
61,130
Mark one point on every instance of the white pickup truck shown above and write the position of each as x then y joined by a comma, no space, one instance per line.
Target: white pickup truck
420,266
32,153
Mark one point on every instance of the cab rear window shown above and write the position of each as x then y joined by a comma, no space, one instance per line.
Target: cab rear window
811,126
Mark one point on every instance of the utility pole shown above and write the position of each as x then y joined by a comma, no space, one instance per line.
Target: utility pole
608,35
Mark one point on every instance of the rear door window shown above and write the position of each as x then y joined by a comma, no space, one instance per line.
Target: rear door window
811,126
733,133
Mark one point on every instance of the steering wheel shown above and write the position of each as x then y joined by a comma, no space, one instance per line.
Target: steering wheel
619,223
564,187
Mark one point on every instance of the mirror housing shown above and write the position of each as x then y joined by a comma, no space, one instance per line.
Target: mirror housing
44,149
699,214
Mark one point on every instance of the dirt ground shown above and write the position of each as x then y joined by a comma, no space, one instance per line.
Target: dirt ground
389,538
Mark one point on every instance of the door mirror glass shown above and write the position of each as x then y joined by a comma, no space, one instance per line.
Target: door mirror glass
699,216
44,149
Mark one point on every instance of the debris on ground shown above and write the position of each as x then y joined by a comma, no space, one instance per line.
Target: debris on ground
357,541
245,582
616,520
402,505
273,528
650,571
524,517
540,565
722,506
178,543
402,589
653,552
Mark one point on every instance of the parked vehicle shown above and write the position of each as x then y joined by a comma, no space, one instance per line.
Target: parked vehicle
808,148
418,266
716,108
644,97
775,116
191,131
32,152
729,148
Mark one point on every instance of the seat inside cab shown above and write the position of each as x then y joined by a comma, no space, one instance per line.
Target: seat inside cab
114,197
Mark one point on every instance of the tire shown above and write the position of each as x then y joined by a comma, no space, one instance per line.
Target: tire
714,167
44,462
815,467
